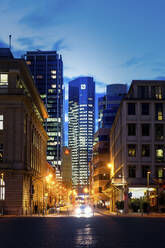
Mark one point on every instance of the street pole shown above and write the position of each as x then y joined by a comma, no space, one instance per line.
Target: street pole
43,197
148,184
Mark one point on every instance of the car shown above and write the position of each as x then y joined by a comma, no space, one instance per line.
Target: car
84,210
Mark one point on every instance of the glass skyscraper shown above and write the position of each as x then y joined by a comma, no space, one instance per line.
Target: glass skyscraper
109,104
81,128
47,70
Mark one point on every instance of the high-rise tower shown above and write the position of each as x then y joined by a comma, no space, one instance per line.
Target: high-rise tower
81,128
47,70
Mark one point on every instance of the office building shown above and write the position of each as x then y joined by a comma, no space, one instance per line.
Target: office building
107,109
137,138
47,70
81,128
23,138
108,104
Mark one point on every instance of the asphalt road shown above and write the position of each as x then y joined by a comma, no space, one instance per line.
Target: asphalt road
70,232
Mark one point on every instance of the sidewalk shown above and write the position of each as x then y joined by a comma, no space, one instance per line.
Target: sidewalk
130,214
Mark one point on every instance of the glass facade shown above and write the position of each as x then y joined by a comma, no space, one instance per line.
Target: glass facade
47,70
109,104
81,128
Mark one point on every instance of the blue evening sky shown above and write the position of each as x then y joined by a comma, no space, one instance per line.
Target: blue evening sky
115,41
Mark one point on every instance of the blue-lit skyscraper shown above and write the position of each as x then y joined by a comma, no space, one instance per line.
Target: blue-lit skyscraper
109,104
81,128
47,70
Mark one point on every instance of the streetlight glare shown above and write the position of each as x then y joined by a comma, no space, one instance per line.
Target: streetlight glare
109,165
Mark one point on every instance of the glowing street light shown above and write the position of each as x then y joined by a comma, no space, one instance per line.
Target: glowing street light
110,166
85,190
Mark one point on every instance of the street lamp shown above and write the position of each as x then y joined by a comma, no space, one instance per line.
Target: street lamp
148,183
110,166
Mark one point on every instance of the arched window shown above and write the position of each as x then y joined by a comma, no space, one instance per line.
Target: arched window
2,189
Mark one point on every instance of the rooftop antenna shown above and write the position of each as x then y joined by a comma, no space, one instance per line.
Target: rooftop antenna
10,41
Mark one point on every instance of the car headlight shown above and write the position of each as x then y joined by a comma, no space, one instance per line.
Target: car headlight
78,211
88,210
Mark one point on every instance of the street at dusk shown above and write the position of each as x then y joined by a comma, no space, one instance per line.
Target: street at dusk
82,124
72,232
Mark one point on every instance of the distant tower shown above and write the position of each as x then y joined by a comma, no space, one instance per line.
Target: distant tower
47,70
109,104
81,128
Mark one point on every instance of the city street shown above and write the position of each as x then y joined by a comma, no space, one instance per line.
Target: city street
99,231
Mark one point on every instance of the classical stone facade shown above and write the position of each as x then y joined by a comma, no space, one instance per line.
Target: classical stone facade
22,138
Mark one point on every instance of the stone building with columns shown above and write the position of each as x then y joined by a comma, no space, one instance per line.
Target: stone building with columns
23,139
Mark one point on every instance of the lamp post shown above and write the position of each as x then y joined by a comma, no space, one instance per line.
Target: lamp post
148,184
110,176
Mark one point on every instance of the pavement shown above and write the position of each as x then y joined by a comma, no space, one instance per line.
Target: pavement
130,214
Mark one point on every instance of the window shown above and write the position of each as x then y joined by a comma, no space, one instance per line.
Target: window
1,122
159,133
146,168
159,153
160,172
131,109
159,111
143,92
2,188
145,129
132,171
131,150
145,152
53,76
157,92
3,80
145,108
131,129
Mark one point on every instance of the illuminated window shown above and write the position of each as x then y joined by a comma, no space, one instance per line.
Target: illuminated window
54,86
132,150
28,62
159,153
53,76
53,71
3,80
159,111
160,172
157,92
1,122
2,188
